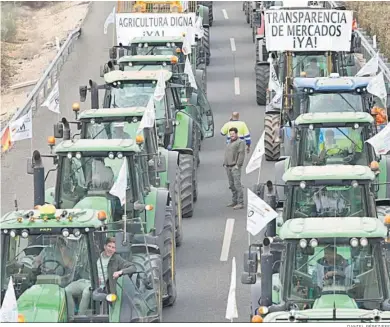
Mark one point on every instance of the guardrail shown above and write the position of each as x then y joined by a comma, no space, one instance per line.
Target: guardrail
45,84
367,49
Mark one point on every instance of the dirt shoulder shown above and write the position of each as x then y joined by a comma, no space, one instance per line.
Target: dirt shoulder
28,44
372,16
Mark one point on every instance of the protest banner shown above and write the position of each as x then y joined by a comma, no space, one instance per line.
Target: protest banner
308,30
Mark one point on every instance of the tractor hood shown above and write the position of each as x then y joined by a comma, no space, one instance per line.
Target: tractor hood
43,303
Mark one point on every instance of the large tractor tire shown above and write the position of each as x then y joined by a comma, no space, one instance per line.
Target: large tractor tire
271,136
209,4
178,218
169,260
262,78
186,165
206,44
152,265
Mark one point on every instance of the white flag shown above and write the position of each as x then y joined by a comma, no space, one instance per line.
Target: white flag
273,83
159,93
9,310
377,87
149,116
231,309
370,68
186,47
190,74
381,141
52,102
276,102
259,214
120,185
110,20
199,31
257,156
21,129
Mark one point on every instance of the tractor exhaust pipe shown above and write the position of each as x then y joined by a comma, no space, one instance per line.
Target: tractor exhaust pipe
39,179
270,198
266,263
66,135
94,94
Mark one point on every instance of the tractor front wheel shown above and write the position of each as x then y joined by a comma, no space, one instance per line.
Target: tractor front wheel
186,165
271,137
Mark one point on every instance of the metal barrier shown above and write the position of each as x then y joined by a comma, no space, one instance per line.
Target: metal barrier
42,89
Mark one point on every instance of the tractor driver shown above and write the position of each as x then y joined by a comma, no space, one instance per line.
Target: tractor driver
110,266
99,176
118,131
332,267
313,69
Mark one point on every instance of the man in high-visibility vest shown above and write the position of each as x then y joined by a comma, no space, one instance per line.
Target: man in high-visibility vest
243,131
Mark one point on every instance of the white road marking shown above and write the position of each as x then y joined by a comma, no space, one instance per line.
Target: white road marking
233,44
236,85
227,239
225,14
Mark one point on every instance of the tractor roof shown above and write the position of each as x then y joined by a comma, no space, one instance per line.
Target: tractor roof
335,227
146,58
158,39
112,113
118,75
326,84
334,117
329,172
91,145
80,218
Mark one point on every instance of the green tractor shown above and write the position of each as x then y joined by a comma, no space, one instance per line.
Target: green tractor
47,251
176,118
320,191
122,123
328,138
321,269
86,172
162,49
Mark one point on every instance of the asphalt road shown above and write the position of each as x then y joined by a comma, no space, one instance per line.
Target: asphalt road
202,278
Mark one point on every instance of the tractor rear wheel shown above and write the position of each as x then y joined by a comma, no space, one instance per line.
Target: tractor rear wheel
152,266
262,77
206,44
178,218
169,260
186,166
271,136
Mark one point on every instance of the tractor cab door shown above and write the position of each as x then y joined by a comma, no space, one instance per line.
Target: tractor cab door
206,114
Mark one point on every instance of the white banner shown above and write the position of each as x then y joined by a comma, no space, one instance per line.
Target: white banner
120,186
308,30
370,68
190,74
377,87
149,116
9,310
110,20
21,129
257,156
273,83
53,100
130,25
259,214
381,141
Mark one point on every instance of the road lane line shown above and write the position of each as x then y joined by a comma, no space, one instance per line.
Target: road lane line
236,85
225,14
233,44
227,239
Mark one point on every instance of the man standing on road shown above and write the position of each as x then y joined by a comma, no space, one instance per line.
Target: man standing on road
243,131
234,159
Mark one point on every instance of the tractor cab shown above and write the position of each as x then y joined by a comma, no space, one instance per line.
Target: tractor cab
330,269
47,252
326,191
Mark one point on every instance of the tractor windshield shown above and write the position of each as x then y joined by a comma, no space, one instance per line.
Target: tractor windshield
329,201
109,130
311,65
334,102
31,258
132,94
325,146
337,272
87,181
156,50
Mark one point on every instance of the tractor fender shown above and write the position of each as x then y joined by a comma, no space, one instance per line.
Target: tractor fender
50,195
383,195
183,132
172,164
204,13
185,151
280,167
161,207
255,295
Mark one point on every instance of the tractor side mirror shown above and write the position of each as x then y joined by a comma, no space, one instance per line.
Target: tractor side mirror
250,262
121,53
58,131
161,165
112,53
30,166
121,245
83,93
248,279
102,70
